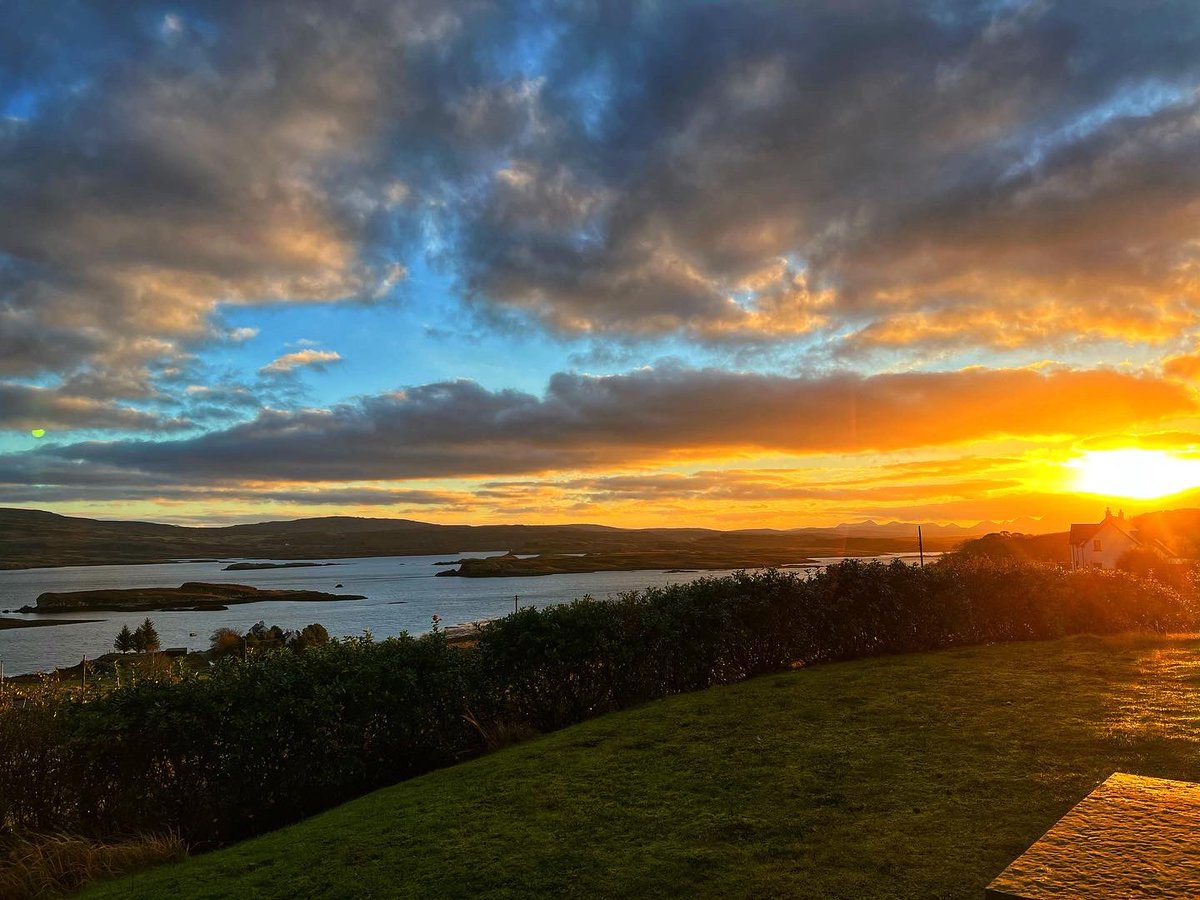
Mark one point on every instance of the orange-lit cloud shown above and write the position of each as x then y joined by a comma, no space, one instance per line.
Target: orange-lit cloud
857,233
585,422
301,359
428,439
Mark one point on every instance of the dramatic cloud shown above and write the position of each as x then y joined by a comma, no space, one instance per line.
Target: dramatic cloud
728,171
839,197
26,407
340,498
168,164
1185,367
307,359
582,422
735,170
771,487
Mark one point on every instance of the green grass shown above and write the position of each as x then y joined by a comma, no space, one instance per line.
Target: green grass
907,776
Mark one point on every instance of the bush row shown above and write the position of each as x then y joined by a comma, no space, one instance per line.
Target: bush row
254,744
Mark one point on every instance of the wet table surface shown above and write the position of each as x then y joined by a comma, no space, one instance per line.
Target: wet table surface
1131,837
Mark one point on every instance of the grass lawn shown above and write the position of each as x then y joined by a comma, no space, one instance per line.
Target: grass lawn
905,776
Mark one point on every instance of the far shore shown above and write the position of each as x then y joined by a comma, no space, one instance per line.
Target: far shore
513,566
252,566
6,623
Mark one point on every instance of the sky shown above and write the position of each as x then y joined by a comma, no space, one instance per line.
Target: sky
731,264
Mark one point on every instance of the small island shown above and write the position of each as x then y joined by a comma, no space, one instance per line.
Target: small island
249,566
190,596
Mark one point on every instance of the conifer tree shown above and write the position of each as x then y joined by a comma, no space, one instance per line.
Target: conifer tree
125,641
145,639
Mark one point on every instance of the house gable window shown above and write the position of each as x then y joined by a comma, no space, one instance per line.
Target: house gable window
1096,545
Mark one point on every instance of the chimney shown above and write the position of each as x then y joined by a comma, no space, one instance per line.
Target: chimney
1107,513
1121,514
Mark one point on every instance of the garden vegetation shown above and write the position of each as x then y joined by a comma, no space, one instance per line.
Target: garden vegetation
261,741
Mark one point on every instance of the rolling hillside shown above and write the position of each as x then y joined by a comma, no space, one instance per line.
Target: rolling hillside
34,538
917,776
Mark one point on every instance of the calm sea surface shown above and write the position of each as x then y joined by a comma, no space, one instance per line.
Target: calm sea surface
402,595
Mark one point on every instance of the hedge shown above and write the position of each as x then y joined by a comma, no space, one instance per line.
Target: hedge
254,744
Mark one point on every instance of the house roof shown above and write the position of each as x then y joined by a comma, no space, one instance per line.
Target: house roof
1157,545
1081,534
1133,534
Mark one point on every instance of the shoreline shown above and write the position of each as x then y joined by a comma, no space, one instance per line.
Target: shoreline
11,624
513,566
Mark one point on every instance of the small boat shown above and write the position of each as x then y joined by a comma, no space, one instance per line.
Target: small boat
191,634
338,585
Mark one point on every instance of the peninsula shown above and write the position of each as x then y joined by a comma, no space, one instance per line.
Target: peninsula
511,565
192,595
6,623
251,567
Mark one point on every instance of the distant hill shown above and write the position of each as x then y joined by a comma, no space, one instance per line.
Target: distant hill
1179,529
928,529
36,538
1035,547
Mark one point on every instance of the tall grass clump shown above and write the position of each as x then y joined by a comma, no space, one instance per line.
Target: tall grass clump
40,866
256,743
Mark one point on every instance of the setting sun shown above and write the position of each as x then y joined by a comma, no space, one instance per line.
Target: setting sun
382,383
1141,474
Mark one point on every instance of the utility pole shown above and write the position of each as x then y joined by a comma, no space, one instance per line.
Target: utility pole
921,546
516,602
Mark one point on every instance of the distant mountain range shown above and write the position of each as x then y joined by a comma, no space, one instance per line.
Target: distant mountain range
870,528
36,538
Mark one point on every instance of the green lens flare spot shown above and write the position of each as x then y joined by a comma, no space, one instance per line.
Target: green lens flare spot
38,432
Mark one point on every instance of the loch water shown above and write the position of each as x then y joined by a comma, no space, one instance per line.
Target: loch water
402,594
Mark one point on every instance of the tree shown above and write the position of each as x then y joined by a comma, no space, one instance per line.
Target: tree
226,642
313,635
145,639
124,641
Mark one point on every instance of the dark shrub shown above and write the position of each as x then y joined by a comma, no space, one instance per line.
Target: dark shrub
259,742
252,744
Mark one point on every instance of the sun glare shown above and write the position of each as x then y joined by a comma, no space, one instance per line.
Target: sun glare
1142,474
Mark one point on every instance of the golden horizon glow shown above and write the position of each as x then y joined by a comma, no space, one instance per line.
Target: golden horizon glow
1135,473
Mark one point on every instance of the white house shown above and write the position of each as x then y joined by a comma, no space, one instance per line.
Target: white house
1104,544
